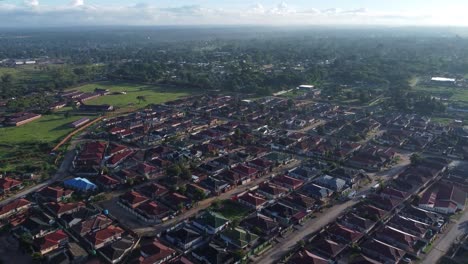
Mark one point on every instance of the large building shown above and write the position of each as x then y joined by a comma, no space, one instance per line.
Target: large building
22,118
443,81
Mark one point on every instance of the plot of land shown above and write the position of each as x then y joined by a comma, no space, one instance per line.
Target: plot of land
232,210
449,93
151,94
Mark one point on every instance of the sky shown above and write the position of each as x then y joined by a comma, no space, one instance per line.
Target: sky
43,13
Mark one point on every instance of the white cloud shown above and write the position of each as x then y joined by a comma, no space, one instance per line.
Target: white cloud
77,3
32,3
77,12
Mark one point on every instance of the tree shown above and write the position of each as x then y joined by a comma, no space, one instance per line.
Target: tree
141,98
185,173
415,159
173,170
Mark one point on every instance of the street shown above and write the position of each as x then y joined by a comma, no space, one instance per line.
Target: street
60,174
443,243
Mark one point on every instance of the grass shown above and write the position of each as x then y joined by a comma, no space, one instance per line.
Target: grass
152,94
442,120
49,128
450,93
232,210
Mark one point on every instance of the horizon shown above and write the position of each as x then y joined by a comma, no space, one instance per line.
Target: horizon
75,13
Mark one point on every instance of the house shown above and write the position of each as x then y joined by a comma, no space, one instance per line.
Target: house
36,224
238,238
15,207
356,222
370,212
271,191
184,237
316,191
54,194
288,182
51,242
305,257
282,213
420,215
332,183
402,240
59,209
107,182
103,237
153,190
79,122
80,184
382,251
176,201
343,234
246,171
132,199
300,201
117,251
210,222
392,193
155,253
215,185
213,254
261,225
96,108
252,200
22,118
363,259
76,217
419,229
443,198
91,225
152,212
325,247
8,184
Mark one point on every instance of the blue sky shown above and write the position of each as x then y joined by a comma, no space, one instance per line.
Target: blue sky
27,13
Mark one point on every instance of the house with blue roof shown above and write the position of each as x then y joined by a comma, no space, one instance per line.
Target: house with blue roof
80,184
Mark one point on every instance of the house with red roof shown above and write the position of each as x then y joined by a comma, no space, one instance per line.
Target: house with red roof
443,198
271,191
104,236
118,158
246,172
107,182
58,208
344,234
54,193
152,212
403,240
132,199
252,200
153,190
177,201
155,253
51,242
8,184
288,182
15,207
382,251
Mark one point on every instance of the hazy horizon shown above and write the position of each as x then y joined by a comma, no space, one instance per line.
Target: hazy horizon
53,13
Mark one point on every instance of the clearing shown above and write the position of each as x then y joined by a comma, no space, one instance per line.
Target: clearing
152,94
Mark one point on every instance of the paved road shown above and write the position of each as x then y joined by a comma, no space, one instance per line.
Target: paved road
459,227
313,225
60,174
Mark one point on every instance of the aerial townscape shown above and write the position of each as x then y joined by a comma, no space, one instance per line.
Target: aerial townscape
234,144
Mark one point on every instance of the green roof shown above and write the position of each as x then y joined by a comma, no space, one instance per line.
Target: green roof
212,219
240,237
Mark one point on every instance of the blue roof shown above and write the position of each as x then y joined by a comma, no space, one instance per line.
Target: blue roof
81,184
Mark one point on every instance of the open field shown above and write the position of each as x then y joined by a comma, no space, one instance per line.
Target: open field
49,128
450,93
152,94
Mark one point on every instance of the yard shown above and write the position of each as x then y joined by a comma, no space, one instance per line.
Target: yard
129,100
449,93
232,210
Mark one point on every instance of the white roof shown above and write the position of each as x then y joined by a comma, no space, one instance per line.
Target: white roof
306,86
442,79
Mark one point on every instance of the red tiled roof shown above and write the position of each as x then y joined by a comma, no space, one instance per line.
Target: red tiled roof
54,192
252,199
8,183
106,180
155,251
102,235
134,198
50,240
288,181
245,170
18,203
60,208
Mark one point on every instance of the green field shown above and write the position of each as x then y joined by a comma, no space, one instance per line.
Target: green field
152,94
47,129
450,93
